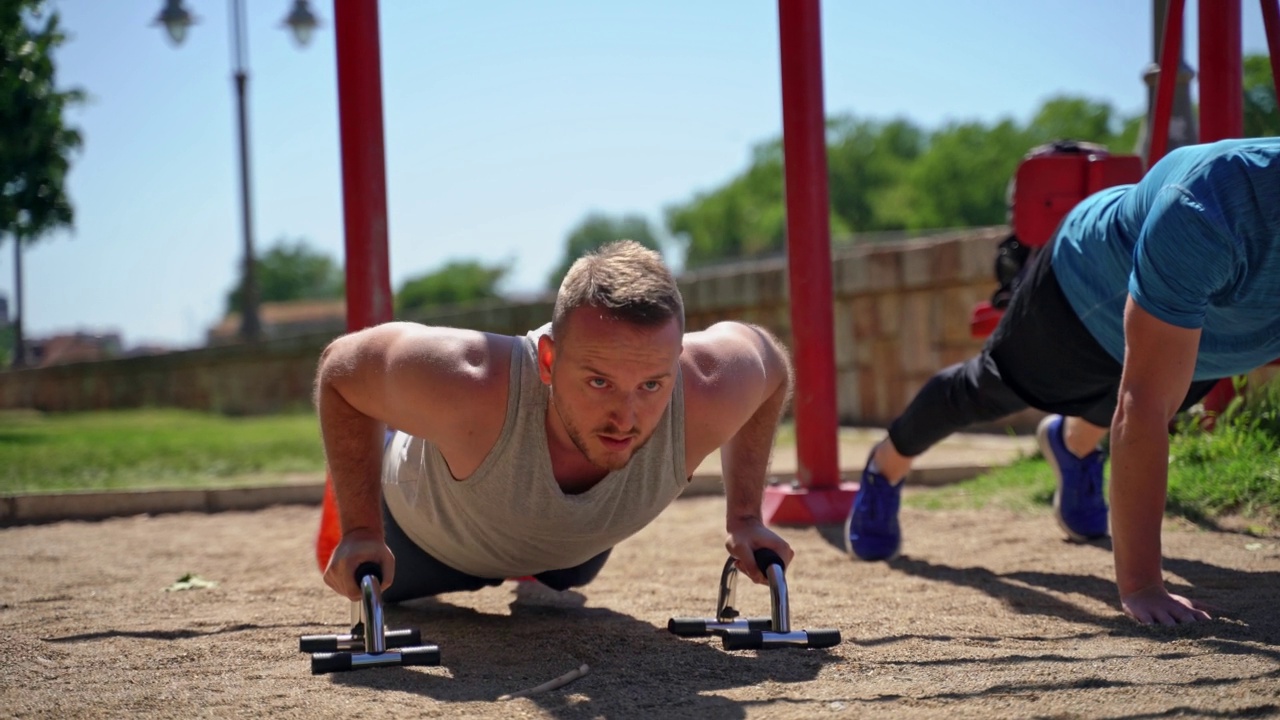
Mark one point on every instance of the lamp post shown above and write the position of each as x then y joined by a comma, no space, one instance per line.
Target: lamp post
176,20
1182,121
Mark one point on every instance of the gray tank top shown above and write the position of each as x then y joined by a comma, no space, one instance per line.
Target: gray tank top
510,518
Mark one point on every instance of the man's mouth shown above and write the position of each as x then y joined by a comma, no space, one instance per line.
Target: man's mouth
616,443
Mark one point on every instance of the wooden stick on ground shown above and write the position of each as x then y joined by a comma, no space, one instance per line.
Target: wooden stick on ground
559,682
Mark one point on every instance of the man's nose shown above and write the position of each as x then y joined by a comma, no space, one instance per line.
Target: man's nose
624,412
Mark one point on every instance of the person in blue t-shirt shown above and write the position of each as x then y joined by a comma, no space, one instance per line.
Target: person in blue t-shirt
1149,294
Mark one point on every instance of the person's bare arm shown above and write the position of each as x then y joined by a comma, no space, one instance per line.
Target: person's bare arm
441,384
737,385
1158,364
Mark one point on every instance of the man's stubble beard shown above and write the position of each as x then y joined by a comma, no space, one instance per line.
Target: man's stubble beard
576,437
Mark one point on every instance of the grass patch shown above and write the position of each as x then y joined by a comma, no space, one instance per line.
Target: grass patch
1227,472
1233,470
152,449
1025,484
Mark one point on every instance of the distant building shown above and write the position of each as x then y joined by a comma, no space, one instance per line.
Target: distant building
72,348
147,349
286,319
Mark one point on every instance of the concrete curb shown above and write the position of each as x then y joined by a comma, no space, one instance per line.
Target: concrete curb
934,476
27,509
38,508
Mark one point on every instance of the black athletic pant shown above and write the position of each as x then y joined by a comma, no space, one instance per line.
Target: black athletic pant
1041,355
418,574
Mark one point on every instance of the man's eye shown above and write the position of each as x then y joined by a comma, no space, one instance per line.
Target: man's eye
653,386
597,383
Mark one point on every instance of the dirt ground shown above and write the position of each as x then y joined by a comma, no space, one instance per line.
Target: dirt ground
987,614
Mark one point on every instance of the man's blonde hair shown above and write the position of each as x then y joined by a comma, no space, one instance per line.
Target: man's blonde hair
625,279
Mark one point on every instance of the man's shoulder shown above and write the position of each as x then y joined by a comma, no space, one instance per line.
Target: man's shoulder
706,351
718,363
453,355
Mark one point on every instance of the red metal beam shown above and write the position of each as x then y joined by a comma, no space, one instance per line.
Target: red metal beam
819,497
1221,70
1170,44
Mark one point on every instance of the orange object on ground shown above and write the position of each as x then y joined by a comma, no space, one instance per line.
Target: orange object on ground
330,529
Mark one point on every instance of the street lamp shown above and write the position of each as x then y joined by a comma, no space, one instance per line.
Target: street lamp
176,20
302,22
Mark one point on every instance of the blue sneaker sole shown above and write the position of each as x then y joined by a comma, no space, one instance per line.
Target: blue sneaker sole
1046,449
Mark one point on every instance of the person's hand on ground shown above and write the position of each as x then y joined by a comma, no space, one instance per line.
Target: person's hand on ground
1155,605
357,547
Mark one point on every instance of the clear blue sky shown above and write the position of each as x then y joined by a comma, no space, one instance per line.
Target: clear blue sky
507,121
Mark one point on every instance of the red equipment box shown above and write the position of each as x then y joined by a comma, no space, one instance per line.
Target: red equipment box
1045,188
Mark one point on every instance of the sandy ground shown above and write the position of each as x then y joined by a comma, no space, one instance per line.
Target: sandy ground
987,614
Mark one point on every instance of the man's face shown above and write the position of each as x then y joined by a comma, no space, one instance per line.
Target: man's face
610,382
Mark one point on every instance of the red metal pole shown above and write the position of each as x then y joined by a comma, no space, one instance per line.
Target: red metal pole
1271,21
364,194
364,177
1221,107
1170,43
1221,70
819,497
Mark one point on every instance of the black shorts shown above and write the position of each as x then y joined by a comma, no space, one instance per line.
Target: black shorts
1049,359
418,574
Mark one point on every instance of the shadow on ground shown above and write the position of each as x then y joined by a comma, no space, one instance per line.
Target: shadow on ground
1034,592
637,669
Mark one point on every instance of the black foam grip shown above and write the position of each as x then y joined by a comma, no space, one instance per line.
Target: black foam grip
688,627
422,655
760,623
318,643
736,639
766,557
330,662
403,638
823,638
369,568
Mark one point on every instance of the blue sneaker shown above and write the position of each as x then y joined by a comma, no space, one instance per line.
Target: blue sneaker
1078,503
872,532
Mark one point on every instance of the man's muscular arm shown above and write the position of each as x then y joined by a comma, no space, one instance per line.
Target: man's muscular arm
1158,363
435,383
741,385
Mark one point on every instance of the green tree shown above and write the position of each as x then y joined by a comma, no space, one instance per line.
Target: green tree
35,143
960,181
6,344
292,270
597,230
895,175
866,164
1261,115
1126,140
1074,118
745,218
458,282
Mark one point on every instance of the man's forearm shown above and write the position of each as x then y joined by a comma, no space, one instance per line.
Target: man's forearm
745,458
1139,474
353,451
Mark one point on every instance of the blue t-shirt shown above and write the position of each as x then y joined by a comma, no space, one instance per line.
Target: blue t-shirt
1197,245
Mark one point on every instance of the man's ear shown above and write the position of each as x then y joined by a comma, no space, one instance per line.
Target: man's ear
546,357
